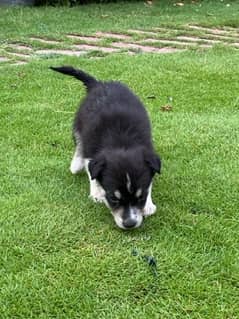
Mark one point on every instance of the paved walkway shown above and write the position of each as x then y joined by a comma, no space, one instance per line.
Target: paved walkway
161,40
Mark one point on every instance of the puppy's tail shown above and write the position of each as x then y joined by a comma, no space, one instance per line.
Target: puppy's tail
88,80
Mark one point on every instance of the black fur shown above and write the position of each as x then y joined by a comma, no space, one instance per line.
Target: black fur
87,79
115,134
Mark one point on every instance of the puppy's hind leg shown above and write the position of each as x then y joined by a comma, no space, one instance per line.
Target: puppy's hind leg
78,161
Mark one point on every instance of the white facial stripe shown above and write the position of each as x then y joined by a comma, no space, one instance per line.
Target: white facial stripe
128,184
138,192
117,194
133,214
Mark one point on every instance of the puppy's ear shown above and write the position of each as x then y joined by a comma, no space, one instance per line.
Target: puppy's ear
153,161
96,166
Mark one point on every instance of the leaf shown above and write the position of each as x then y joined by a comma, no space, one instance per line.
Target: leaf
179,4
166,108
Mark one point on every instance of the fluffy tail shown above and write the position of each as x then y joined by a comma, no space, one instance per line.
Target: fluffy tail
88,80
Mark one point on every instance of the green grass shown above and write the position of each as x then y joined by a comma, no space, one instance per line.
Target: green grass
15,23
61,255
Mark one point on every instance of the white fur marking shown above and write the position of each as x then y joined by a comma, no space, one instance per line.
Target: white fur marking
128,184
97,193
117,194
149,208
138,192
77,162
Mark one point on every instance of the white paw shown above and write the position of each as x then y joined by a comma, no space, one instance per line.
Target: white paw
97,198
97,194
76,165
149,209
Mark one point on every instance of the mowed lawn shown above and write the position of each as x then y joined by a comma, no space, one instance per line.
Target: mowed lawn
61,255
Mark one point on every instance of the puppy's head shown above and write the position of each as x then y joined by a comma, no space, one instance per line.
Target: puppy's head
125,176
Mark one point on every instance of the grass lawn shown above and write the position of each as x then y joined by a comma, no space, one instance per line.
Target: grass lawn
61,255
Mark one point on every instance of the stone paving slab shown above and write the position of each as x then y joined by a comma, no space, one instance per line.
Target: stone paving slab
83,38
151,33
20,47
172,42
43,40
88,47
3,59
19,63
20,55
214,30
197,39
60,52
144,48
112,35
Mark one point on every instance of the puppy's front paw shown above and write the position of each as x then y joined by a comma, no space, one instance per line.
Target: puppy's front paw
97,198
76,165
149,209
97,194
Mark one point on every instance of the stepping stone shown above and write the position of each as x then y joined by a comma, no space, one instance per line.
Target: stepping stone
167,42
196,39
42,40
83,38
61,52
225,37
19,63
165,29
143,32
144,48
212,30
89,47
20,47
112,35
3,59
20,55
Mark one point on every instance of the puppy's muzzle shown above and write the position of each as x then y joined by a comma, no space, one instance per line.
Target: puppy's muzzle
130,223
128,218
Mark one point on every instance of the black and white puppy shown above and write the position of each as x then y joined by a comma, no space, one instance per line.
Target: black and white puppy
113,143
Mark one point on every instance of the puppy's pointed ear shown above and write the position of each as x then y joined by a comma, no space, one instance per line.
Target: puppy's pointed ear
96,166
153,161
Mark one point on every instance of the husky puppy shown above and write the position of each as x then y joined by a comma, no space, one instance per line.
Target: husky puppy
113,143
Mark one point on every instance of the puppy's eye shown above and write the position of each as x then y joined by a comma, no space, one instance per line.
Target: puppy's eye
113,199
141,199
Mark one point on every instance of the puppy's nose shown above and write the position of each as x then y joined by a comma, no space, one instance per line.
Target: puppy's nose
129,223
